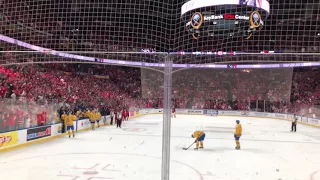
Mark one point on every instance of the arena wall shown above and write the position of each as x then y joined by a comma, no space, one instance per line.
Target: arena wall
303,120
14,139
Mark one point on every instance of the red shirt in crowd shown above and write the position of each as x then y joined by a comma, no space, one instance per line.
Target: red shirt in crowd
116,116
124,113
11,119
20,119
40,119
3,92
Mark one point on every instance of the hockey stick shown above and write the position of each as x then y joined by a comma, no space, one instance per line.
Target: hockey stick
189,146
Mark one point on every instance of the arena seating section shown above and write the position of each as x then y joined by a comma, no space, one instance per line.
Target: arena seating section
27,90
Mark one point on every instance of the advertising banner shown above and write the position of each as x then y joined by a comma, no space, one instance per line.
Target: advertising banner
146,111
209,112
244,113
290,116
229,113
304,119
8,139
38,133
83,124
283,116
194,111
181,111
261,114
313,121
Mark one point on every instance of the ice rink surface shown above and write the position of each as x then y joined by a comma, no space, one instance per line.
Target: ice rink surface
269,152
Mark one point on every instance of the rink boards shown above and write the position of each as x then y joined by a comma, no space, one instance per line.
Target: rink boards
9,140
303,120
24,137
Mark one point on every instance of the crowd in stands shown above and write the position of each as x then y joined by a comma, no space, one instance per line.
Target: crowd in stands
32,95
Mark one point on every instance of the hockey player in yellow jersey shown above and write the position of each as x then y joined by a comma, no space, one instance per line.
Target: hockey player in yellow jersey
79,114
63,120
57,118
199,135
86,113
69,123
97,116
92,118
237,134
63,116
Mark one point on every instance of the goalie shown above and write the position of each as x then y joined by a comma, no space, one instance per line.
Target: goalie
199,135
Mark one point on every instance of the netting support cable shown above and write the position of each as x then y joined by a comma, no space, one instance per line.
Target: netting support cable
166,131
172,53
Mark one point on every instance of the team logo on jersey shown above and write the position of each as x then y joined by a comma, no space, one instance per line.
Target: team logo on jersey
196,20
255,19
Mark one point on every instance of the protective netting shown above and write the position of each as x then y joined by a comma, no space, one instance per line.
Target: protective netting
103,29
25,113
204,88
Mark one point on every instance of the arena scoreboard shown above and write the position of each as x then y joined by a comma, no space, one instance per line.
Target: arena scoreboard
224,18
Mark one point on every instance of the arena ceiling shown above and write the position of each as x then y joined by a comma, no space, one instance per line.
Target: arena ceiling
293,26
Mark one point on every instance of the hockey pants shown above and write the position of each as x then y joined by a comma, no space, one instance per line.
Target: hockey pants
294,127
119,122
201,144
237,138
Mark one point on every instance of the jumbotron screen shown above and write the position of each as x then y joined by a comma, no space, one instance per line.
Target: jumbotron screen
228,18
196,4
